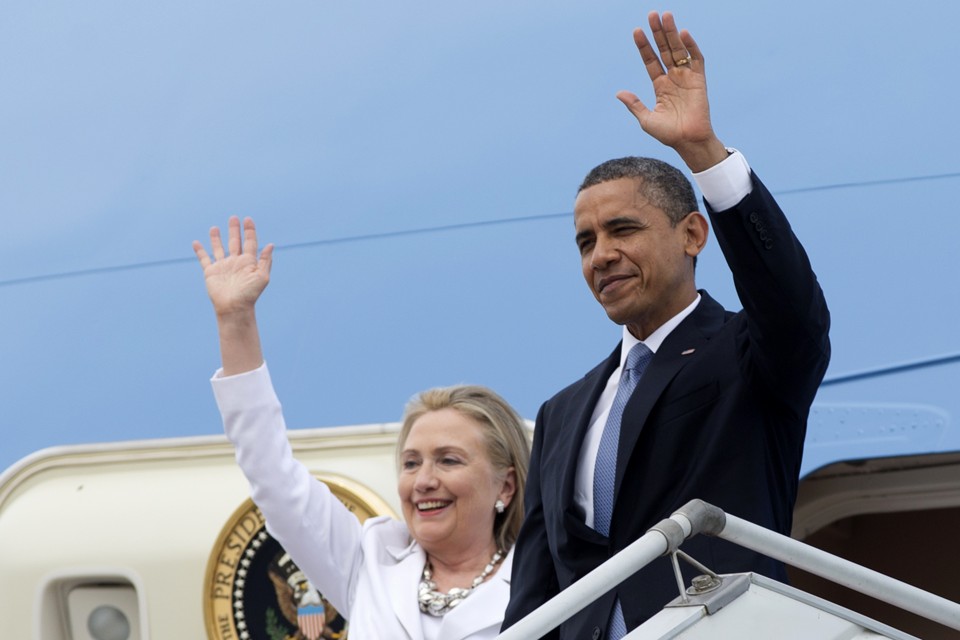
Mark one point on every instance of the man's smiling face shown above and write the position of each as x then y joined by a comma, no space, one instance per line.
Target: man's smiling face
637,264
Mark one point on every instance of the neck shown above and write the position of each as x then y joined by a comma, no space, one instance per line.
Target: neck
646,328
459,570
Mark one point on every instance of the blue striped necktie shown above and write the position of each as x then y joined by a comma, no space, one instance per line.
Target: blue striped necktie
605,473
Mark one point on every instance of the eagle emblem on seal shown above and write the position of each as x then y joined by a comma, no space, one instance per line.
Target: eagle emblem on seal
254,590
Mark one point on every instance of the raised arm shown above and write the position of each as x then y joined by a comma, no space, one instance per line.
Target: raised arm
321,535
681,116
788,318
235,279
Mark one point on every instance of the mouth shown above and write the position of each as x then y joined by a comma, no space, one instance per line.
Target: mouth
610,282
431,505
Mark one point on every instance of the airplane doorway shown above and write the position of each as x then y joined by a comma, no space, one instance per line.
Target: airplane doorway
899,516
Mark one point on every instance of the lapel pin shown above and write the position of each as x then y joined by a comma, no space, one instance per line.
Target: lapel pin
687,352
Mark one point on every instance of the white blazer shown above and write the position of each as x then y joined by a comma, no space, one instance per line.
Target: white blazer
370,573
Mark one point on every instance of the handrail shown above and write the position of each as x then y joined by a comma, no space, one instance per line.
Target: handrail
695,517
843,572
700,517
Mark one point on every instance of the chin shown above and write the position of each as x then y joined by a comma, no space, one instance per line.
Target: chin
617,317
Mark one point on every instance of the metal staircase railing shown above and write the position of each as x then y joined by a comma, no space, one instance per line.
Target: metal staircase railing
698,517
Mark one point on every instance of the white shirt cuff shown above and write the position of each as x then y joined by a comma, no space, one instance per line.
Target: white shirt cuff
725,184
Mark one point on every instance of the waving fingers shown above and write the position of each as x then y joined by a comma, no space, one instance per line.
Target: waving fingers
233,235
650,59
241,239
216,243
249,237
202,255
266,259
677,48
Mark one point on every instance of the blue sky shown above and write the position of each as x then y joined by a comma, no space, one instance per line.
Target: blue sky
416,167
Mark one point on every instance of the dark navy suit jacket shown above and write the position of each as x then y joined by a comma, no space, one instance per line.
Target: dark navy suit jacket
720,414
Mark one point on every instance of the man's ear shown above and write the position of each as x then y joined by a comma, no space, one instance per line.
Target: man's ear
696,230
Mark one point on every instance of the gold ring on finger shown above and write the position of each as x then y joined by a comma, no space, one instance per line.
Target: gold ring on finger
682,61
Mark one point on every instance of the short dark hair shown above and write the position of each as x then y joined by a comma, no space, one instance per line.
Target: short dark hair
662,184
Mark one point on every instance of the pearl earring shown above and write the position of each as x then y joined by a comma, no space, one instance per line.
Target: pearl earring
499,506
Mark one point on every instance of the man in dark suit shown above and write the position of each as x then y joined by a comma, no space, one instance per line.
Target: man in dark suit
721,399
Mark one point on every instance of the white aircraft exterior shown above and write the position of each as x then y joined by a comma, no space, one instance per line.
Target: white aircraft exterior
163,532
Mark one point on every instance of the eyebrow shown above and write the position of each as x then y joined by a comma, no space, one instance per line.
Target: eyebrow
436,451
615,222
583,235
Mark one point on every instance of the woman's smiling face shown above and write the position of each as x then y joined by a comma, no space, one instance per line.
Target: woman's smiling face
448,486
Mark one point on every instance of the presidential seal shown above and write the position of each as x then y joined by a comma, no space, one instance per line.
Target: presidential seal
254,591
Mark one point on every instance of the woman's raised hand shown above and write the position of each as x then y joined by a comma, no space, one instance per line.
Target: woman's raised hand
236,277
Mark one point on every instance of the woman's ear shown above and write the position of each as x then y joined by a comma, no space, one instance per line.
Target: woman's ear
509,486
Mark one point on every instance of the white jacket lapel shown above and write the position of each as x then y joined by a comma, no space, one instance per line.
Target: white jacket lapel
482,609
401,581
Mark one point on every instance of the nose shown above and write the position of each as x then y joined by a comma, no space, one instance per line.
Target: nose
604,253
426,479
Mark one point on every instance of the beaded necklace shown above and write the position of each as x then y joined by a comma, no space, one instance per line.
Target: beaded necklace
436,603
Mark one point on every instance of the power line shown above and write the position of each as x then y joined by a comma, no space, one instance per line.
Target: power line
283,247
868,183
436,229
422,230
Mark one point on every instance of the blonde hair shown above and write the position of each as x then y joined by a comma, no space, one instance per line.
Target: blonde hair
505,433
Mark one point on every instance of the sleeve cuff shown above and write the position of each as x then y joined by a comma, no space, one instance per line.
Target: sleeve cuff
243,391
725,184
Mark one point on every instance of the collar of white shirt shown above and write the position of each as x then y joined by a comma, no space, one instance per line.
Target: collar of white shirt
586,461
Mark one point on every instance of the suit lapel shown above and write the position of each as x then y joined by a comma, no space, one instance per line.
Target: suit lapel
581,406
402,578
678,350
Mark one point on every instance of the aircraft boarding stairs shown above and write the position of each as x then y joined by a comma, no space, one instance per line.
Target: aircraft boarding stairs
740,605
